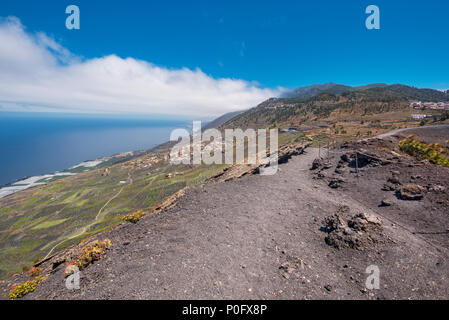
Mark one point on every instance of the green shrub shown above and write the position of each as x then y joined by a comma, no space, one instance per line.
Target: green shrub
92,252
134,217
20,290
432,152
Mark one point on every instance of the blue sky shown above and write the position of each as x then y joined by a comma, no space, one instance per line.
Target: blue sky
267,43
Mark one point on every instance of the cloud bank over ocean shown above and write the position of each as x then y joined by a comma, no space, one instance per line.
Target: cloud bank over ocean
38,74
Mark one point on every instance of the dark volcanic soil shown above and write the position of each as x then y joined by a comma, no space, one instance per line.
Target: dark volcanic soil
429,217
263,237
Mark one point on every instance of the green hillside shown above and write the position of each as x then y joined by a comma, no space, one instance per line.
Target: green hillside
392,102
39,221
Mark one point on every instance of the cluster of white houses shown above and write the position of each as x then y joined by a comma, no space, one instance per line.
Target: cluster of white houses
443,106
439,106
421,116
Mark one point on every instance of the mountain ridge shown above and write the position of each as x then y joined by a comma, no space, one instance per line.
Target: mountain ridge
318,101
331,87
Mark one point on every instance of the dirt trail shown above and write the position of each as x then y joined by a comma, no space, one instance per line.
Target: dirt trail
97,217
404,130
257,237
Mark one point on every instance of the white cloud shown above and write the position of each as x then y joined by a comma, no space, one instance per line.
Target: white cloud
38,74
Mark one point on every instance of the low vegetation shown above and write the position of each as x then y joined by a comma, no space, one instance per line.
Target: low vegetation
34,272
70,268
134,217
432,152
22,289
92,252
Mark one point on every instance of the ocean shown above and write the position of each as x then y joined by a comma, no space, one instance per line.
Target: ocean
39,143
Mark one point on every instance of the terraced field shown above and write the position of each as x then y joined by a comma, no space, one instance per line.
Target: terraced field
37,222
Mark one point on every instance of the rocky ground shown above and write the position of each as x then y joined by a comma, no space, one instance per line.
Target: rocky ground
300,234
411,193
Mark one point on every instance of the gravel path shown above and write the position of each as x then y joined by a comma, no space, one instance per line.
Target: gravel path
440,130
257,237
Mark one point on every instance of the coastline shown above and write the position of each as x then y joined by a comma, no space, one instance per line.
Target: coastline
38,180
